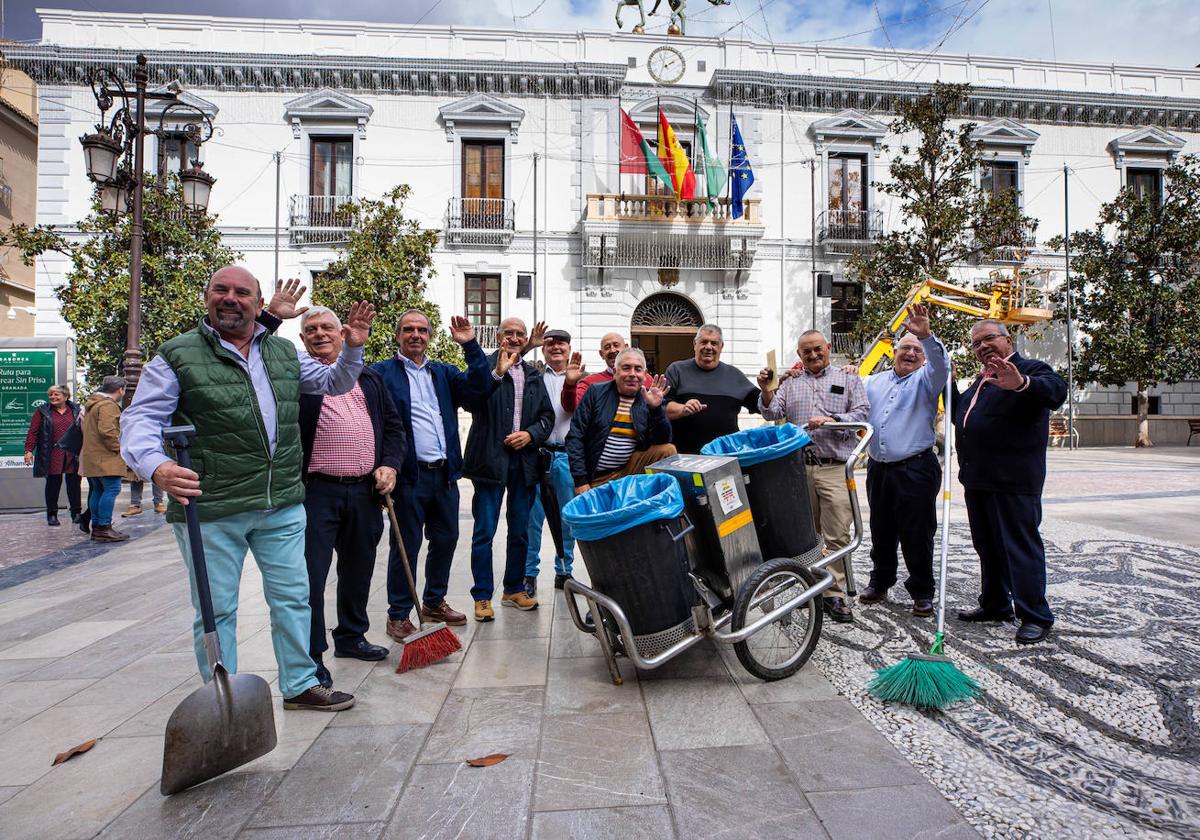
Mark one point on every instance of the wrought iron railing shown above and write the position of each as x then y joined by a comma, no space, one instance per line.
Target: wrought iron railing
479,221
487,335
849,231
846,344
1015,249
319,219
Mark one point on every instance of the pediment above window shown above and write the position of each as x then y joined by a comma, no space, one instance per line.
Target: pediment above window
327,106
679,111
1148,142
848,125
155,107
480,109
1006,134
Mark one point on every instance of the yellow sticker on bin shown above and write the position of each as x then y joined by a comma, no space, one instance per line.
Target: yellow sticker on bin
734,522
697,479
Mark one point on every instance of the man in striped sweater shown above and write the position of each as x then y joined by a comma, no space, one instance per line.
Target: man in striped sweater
620,427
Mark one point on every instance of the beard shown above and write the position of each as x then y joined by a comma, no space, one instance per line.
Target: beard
230,319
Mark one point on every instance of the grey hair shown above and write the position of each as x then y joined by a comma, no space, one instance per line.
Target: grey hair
709,328
112,384
807,333
65,390
413,311
992,322
628,351
314,311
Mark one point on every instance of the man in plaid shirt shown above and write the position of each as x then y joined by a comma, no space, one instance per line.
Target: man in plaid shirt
816,395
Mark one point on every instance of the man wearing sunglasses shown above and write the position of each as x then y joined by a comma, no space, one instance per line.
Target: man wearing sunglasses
1002,426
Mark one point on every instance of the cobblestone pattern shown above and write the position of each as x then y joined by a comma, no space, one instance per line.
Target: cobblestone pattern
1091,734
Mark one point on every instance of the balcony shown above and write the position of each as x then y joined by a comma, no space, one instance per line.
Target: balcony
849,231
846,344
659,231
1022,242
319,219
487,335
479,221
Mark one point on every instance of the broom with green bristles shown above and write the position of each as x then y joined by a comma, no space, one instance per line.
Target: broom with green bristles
930,681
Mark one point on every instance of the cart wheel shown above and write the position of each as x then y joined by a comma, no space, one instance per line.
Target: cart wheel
781,648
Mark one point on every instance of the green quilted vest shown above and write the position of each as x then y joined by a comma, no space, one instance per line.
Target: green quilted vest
230,451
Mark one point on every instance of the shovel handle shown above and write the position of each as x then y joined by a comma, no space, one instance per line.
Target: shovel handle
408,575
181,441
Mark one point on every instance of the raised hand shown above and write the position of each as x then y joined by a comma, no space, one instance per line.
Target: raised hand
576,370
917,321
537,337
1003,373
287,295
461,330
505,359
358,323
764,378
655,391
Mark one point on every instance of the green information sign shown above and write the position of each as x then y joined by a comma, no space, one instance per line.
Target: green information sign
25,376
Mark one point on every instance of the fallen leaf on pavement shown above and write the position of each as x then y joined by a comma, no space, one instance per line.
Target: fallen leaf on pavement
74,751
488,760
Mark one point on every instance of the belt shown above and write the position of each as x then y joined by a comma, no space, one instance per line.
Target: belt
920,454
340,479
432,465
555,447
815,461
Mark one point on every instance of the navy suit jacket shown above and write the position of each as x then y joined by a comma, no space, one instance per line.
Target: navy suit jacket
454,389
1002,448
391,442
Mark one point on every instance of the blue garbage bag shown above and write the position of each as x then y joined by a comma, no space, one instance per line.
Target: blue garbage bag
623,504
754,446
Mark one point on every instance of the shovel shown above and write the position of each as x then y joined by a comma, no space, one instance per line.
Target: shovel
228,721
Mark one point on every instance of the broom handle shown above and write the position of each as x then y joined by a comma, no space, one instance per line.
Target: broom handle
947,430
408,575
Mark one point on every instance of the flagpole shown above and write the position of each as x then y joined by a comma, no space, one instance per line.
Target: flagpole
695,120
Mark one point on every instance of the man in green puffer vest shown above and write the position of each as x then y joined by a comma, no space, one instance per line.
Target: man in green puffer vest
240,387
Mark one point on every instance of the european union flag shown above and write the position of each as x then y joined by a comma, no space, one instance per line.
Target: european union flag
741,176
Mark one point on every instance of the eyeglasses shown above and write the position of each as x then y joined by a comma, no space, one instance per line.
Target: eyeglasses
983,339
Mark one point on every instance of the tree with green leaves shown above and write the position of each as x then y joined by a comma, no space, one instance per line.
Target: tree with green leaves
386,260
946,218
181,250
1135,298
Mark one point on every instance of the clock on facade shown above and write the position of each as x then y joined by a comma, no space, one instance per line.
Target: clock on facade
666,65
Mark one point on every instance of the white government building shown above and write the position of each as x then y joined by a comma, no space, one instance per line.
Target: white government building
510,142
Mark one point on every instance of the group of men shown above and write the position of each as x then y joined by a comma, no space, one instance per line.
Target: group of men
295,450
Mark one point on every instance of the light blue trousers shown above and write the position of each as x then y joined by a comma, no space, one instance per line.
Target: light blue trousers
276,538
564,487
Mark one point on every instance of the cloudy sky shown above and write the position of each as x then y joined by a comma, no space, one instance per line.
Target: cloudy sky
1151,32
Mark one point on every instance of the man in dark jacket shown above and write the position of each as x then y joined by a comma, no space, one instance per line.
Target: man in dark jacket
1002,423
507,429
354,445
620,427
427,394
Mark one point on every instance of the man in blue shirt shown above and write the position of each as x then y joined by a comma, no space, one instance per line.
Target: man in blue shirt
904,475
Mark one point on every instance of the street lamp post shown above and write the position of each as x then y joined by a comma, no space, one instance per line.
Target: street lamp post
115,156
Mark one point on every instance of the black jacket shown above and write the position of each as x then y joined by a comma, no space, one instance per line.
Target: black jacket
1003,446
593,419
390,441
46,441
486,456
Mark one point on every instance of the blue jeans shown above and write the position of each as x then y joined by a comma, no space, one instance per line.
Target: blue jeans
430,504
102,498
276,538
485,507
563,485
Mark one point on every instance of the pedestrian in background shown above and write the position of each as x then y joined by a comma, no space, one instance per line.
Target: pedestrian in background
100,460
137,490
51,420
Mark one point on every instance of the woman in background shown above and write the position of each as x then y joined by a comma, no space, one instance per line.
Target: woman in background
51,420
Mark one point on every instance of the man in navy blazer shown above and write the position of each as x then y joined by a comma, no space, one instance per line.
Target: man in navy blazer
1002,426
427,395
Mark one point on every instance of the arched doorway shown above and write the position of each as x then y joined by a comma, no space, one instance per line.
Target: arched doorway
663,327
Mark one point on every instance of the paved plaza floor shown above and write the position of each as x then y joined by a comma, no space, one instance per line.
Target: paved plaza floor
1092,734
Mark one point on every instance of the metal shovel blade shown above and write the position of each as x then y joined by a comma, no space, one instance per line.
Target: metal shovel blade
219,726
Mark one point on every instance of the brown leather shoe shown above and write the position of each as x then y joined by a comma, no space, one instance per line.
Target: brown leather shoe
400,630
107,533
443,613
836,609
922,607
871,595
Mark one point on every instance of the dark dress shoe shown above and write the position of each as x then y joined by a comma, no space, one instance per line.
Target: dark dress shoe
531,586
361,649
871,595
559,580
75,516
980,614
922,607
836,609
52,520
1030,633
324,676
85,522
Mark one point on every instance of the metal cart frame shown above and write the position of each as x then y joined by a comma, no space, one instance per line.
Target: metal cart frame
710,622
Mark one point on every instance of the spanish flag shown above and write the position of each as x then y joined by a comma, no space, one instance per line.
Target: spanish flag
683,179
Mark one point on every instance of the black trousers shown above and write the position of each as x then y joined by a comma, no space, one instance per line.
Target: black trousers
1012,559
344,518
54,485
903,499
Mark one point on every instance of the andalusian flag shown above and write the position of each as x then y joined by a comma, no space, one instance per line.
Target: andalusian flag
683,179
636,156
714,172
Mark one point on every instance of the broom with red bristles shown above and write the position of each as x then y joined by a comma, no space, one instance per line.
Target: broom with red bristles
434,641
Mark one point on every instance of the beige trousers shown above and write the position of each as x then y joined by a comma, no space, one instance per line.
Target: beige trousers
831,516
637,463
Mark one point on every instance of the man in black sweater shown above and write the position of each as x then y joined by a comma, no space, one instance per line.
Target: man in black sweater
706,394
1002,424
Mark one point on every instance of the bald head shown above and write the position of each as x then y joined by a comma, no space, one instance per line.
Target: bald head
233,273
909,355
233,300
512,334
610,345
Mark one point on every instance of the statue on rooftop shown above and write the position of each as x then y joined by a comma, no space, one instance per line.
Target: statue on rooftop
678,21
639,28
